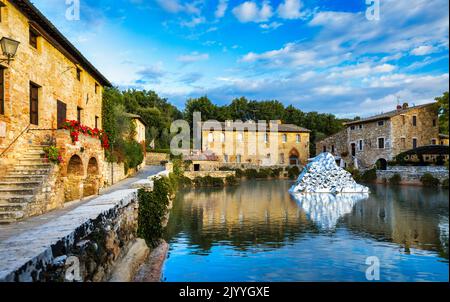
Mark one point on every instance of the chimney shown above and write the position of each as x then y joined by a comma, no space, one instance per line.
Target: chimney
405,106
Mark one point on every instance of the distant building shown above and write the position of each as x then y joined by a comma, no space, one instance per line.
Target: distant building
443,139
292,149
140,128
380,138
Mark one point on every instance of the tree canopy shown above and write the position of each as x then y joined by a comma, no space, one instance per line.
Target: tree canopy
443,112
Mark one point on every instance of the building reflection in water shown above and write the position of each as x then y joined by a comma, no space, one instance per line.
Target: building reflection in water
326,209
262,215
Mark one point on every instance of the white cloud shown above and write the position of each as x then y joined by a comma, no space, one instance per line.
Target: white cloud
221,9
272,25
250,12
423,50
290,9
174,7
193,57
193,22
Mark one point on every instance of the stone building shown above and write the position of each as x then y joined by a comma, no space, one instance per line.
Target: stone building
248,146
443,139
48,82
378,139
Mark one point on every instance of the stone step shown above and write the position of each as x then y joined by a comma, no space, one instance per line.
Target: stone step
8,217
17,199
39,172
23,178
33,152
19,184
16,192
38,165
12,207
32,161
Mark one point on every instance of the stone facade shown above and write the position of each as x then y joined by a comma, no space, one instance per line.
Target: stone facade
48,82
381,138
411,175
241,147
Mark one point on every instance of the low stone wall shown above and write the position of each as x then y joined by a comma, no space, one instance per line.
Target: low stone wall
215,174
82,245
155,159
412,174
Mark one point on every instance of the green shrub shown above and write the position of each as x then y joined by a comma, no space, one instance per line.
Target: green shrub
369,176
134,156
152,211
231,181
293,172
263,173
208,181
185,182
395,179
276,172
429,180
251,173
239,173
445,184
355,174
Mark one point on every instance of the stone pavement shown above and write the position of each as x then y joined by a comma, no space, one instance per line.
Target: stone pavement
18,228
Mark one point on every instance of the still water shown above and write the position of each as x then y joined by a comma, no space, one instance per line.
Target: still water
259,232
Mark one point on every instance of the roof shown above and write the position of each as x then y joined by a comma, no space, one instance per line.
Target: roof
428,150
136,117
387,115
443,136
281,128
58,40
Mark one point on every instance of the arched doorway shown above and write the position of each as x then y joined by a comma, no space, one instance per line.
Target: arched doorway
381,164
91,183
294,157
73,185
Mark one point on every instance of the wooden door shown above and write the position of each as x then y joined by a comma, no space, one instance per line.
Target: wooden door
34,104
61,114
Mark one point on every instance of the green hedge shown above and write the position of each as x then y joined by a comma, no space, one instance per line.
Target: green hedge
395,180
445,184
152,211
429,180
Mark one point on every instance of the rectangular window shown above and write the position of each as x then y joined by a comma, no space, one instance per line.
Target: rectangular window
352,128
434,123
381,144
266,138
33,38
79,110
381,123
360,127
239,159
34,104
324,149
78,74
333,149
2,90
434,141
282,159
361,145
414,143
96,122
414,121
299,139
225,158
284,138
96,88
61,114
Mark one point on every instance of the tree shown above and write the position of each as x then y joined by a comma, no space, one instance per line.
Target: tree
443,113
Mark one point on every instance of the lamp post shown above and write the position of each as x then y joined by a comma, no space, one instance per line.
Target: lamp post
9,49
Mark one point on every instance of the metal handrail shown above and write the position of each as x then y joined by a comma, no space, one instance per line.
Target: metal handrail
15,140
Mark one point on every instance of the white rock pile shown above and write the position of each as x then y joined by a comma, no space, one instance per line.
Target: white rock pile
323,175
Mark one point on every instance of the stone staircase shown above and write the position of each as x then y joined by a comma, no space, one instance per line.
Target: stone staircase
21,183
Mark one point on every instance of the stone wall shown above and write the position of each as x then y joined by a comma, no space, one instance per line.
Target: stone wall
215,174
412,175
155,159
87,241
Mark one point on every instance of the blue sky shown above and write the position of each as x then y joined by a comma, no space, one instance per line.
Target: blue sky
319,55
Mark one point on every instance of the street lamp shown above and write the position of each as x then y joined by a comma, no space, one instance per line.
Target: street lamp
9,49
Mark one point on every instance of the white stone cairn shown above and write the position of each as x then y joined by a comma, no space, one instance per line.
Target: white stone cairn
323,175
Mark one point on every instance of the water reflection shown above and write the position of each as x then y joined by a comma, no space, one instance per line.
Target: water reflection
258,232
326,209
